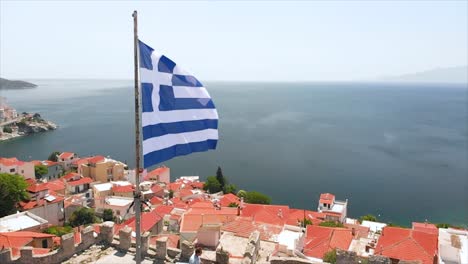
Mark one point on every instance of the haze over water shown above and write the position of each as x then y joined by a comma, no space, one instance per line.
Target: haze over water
392,149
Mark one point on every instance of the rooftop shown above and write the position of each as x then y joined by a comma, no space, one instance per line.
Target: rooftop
66,155
11,162
20,221
118,201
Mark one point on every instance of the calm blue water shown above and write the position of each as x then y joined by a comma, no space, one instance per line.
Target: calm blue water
395,150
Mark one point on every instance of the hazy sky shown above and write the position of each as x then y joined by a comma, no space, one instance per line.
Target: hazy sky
265,40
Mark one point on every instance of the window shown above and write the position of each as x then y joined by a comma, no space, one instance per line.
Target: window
12,170
44,243
22,171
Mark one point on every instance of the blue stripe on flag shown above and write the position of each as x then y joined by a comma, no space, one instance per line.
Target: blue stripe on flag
168,102
185,80
178,150
145,55
178,127
165,64
146,97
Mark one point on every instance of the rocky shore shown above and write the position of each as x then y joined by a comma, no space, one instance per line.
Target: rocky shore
27,124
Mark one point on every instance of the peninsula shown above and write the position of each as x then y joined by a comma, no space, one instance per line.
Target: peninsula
10,84
14,125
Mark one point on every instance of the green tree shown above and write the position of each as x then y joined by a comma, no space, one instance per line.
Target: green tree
305,222
233,205
40,170
7,130
82,216
230,188
331,224
212,185
58,230
257,198
330,256
241,193
53,156
368,217
220,177
171,194
12,190
108,215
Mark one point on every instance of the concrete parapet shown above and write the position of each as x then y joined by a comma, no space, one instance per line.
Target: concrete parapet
125,237
252,247
173,252
145,243
87,238
67,242
186,250
377,259
107,232
281,260
161,248
26,255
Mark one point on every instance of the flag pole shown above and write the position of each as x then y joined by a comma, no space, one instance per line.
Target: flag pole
137,143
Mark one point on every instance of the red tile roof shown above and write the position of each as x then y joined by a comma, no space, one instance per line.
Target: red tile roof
244,227
154,173
34,188
20,238
81,181
192,222
122,188
407,244
270,214
185,193
11,162
174,186
156,200
71,175
96,159
66,155
163,210
296,215
228,199
326,198
426,227
80,161
49,163
172,240
320,240
55,185
148,221
197,185
26,205
202,204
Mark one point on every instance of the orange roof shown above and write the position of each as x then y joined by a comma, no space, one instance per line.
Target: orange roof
148,221
425,227
296,215
20,238
202,204
172,240
212,210
122,188
96,159
270,214
163,210
326,198
81,161
11,162
185,193
156,172
175,186
37,187
407,244
36,162
156,200
228,199
55,185
197,185
244,227
71,175
32,203
156,188
320,240
81,181
66,155
192,222
49,163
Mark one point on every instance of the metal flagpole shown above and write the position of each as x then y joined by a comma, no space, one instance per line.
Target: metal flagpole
137,143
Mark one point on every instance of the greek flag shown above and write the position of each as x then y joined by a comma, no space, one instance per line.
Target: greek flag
178,115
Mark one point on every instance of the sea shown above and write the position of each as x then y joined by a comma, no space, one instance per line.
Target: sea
395,150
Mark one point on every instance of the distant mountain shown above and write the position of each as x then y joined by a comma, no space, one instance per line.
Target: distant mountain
7,84
439,75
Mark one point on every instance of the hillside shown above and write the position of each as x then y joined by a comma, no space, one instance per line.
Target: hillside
8,84
457,74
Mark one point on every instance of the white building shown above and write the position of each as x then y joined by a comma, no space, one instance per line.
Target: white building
119,205
334,210
453,246
15,166
24,221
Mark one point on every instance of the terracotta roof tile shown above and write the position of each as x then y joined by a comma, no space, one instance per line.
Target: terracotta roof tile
96,159
326,198
123,188
320,240
84,180
228,199
66,155
11,162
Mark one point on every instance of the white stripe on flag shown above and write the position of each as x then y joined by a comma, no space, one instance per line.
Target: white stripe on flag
190,92
158,117
155,77
169,140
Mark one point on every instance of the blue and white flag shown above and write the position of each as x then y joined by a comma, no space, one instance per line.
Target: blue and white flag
178,116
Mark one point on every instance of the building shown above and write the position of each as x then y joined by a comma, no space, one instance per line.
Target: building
334,210
102,169
161,174
453,246
54,169
121,206
24,221
425,227
407,244
41,243
320,240
15,166
50,208
65,159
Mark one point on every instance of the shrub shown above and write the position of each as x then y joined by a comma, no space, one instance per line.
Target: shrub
331,224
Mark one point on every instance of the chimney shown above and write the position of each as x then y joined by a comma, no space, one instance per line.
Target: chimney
353,231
